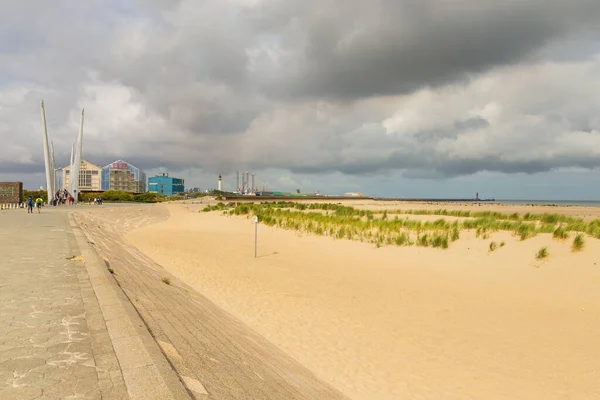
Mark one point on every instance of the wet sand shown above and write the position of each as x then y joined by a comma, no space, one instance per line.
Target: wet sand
402,323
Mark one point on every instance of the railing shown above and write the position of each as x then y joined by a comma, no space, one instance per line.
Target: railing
11,206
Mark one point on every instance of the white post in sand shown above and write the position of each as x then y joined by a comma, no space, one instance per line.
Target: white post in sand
46,153
255,220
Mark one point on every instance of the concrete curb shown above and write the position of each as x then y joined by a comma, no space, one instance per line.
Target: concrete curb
146,371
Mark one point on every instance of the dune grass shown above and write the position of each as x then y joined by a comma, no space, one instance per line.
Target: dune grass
578,243
560,233
542,253
392,228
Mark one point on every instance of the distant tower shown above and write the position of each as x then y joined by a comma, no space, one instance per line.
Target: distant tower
477,196
220,184
237,184
253,187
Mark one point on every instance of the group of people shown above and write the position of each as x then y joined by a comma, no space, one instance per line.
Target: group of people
38,204
97,201
62,197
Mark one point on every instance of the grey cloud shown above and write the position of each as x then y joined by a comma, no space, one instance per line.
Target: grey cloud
441,168
471,123
303,85
13,167
337,50
392,47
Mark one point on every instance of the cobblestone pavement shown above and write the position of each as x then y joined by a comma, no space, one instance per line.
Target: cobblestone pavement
53,338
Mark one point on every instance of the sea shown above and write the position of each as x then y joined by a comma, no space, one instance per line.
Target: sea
567,203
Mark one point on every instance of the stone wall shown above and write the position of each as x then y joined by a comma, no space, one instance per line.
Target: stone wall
11,192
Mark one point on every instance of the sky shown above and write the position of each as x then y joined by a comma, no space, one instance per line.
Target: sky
396,98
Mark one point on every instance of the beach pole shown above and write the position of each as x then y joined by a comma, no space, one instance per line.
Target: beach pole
255,220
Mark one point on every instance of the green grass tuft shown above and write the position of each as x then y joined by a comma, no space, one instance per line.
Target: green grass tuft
542,253
578,243
560,233
166,280
493,246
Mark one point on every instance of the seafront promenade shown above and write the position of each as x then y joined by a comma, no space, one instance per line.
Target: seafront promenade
66,330
71,329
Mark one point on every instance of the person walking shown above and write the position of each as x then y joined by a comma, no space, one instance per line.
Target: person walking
38,203
29,205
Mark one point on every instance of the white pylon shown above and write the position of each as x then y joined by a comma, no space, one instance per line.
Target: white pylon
76,165
46,154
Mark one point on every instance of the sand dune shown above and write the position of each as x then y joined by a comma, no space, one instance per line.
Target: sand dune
402,323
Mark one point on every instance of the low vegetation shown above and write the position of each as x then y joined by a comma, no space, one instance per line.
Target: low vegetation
118,196
34,194
560,233
396,228
166,280
542,253
578,243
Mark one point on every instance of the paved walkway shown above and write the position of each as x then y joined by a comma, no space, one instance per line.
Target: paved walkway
216,356
67,330
54,338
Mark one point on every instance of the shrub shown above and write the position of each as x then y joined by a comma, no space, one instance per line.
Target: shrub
578,243
542,253
502,243
35,194
115,195
148,198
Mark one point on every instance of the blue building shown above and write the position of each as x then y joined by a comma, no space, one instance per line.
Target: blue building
121,175
165,184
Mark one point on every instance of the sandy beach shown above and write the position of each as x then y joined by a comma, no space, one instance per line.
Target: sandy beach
402,322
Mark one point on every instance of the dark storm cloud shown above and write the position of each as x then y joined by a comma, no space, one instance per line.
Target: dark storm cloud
438,168
12,167
353,49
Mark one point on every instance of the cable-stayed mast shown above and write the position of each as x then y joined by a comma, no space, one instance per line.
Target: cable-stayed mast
49,186
76,166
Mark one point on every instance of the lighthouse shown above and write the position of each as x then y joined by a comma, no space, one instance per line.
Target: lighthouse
220,184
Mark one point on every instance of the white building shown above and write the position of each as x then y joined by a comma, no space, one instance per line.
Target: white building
89,177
